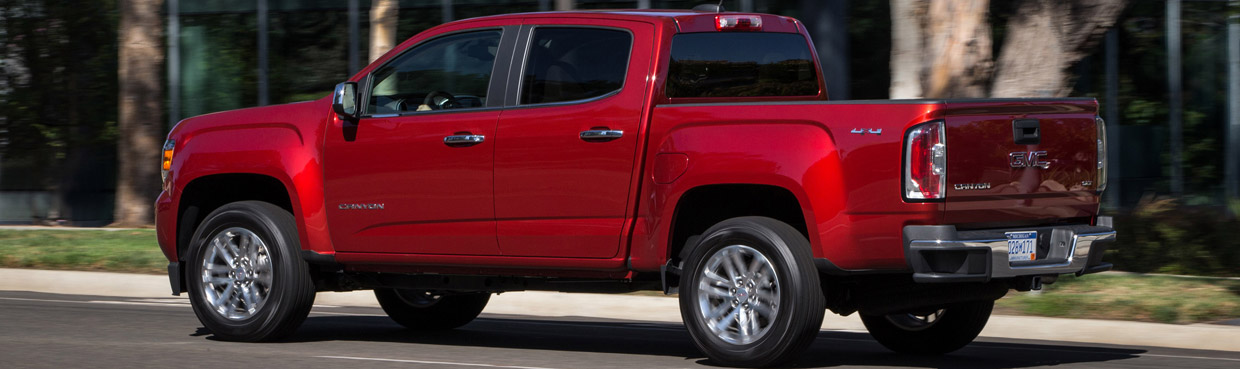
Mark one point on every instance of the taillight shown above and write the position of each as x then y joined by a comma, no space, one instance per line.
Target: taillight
925,162
738,23
1102,153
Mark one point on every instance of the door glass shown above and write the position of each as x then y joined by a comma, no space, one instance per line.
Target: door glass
568,64
450,72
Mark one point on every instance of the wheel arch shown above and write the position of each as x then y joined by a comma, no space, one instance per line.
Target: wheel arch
204,194
701,207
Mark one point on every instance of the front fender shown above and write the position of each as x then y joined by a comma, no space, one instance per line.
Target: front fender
282,142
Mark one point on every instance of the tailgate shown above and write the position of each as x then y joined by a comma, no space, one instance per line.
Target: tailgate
1020,162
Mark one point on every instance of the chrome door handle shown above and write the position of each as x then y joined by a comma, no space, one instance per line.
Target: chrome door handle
601,134
464,140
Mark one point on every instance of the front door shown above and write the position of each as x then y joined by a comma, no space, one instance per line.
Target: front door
414,174
565,153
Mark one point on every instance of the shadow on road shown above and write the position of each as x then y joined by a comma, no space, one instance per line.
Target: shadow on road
664,339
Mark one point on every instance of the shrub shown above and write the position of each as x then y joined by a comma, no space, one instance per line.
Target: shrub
1166,236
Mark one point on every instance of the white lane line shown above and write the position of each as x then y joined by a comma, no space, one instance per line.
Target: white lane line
1088,352
1190,357
429,362
345,314
93,302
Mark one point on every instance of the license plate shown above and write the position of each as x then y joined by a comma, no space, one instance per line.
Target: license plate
1022,246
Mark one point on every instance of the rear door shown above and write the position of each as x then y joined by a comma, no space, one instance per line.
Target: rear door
1012,162
564,157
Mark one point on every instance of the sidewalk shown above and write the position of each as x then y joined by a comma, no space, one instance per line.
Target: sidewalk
663,309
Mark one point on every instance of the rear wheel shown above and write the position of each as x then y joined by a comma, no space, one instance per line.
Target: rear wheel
247,281
750,295
431,310
930,332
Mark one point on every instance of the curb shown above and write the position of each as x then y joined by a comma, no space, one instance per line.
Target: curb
662,309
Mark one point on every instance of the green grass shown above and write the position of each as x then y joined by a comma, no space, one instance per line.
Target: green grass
1162,299
133,251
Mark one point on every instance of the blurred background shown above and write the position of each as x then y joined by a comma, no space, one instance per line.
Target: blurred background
89,88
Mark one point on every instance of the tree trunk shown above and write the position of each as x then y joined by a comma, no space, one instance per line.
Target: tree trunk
906,48
141,104
958,48
940,49
383,17
1044,39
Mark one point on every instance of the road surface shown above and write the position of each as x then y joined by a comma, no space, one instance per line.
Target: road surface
51,330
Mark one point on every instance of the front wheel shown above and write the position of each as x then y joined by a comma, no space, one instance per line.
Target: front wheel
930,332
431,310
750,296
247,281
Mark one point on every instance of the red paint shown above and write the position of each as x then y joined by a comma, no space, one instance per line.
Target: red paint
534,199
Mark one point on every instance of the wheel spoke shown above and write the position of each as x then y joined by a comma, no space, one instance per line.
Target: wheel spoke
223,297
717,278
764,310
221,251
729,268
756,266
250,296
767,297
738,263
715,291
727,320
744,325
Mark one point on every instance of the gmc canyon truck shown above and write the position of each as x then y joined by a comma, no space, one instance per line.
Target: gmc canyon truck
686,152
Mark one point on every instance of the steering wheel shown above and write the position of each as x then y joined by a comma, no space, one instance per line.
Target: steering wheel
437,100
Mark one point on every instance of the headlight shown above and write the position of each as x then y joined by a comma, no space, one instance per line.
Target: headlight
166,164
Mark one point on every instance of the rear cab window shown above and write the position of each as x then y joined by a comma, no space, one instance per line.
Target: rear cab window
739,65
574,63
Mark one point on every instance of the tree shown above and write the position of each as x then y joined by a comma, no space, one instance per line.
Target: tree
1044,39
943,49
383,18
141,104
940,48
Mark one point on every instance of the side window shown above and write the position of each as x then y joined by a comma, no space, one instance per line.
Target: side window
451,72
566,64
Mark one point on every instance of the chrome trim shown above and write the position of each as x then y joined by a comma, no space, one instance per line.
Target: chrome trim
464,139
1078,254
601,134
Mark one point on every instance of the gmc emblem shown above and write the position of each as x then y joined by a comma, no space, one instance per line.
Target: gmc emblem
1028,159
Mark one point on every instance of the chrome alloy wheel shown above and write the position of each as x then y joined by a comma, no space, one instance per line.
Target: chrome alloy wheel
738,294
916,321
236,273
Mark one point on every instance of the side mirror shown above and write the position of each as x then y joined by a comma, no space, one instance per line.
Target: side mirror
344,100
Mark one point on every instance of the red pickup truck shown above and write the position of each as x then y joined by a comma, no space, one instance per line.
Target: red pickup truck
683,151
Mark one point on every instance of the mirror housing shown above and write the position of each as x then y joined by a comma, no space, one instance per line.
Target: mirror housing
344,100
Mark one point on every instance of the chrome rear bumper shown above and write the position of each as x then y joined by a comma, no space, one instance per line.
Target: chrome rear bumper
941,254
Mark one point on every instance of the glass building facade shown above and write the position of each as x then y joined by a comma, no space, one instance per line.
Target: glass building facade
230,54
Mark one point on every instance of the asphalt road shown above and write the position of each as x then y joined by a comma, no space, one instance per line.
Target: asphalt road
49,330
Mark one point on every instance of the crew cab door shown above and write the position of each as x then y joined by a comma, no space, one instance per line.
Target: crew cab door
564,160
414,174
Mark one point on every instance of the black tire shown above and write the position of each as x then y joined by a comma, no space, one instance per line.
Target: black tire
289,288
956,326
427,311
800,309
